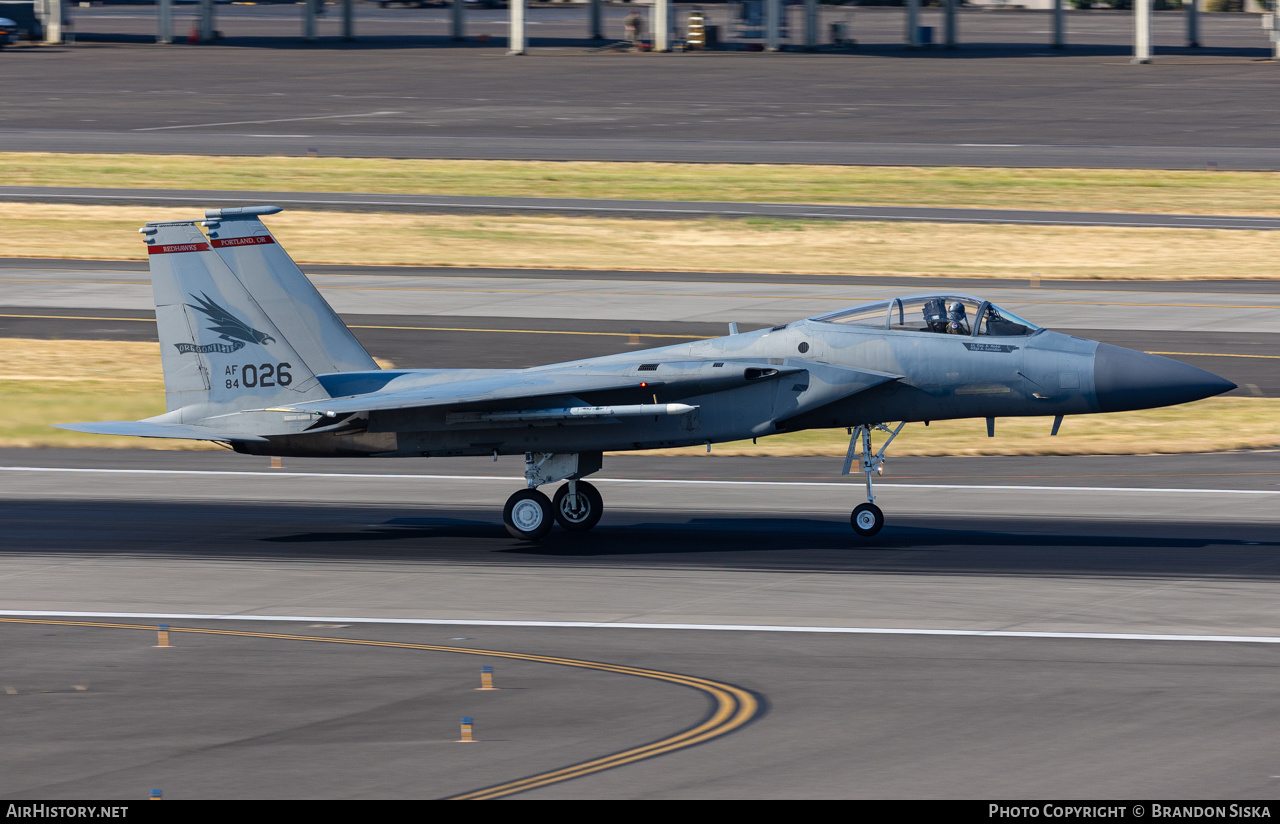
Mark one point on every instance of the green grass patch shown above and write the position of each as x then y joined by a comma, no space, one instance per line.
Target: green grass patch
30,406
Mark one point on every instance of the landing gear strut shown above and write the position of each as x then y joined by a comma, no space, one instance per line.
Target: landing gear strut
867,519
577,506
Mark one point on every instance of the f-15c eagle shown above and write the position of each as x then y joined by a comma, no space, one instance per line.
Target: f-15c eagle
255,358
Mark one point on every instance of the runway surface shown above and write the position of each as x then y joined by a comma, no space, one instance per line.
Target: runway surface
515,318
972,545
423,533
653,209
1011,103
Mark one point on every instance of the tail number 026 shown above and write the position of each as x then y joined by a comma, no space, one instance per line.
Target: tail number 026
262,375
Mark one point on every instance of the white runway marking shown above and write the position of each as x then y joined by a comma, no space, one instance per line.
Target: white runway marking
257,122
520,479
963,633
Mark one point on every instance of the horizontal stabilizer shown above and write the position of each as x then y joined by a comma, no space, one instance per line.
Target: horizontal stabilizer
143,429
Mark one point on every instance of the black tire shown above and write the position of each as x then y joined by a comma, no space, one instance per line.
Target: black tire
867,519
527,515
591,507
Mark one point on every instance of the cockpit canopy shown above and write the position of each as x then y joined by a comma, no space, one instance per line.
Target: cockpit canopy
940,314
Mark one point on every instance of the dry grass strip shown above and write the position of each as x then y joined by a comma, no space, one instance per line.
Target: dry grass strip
1124,190
754,245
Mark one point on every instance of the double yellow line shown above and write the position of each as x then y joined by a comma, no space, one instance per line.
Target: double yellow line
734,706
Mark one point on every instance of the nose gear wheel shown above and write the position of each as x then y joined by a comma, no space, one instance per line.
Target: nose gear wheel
867,519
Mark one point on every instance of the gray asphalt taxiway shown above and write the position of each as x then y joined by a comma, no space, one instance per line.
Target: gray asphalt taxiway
1022,628
653,209
1004,99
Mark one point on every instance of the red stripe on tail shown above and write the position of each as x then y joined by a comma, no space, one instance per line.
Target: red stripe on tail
172,248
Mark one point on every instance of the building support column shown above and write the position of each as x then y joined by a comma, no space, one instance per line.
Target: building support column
662,25
308,19
53,22
595,20
913,24
164,21
458,21
516,43
204,28
811,25
1141,31
1059,25
949,36
1275,32
772,25
1193,23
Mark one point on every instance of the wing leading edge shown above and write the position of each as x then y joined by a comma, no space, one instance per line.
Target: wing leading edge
679,382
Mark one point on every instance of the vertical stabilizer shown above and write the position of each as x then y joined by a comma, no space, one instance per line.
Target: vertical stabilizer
267,272
221,352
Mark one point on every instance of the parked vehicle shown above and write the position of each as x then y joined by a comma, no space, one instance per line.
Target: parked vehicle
20,21
8,32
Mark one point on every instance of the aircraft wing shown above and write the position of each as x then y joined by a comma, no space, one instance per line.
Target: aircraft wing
144,429
681,380
593,384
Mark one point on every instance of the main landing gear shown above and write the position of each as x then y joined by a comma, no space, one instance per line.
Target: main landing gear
577,506
867,519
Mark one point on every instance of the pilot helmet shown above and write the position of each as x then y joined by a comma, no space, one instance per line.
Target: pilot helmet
955,310
935,311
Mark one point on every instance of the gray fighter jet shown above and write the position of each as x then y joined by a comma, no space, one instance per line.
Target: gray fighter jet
253,357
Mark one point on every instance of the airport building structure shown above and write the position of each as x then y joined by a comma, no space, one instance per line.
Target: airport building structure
772,23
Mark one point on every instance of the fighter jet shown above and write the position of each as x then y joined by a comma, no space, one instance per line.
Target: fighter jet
254,357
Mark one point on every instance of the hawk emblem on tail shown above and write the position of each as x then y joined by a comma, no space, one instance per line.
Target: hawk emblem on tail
228,326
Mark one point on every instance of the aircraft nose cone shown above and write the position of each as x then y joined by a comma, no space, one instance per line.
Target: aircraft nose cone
1125,379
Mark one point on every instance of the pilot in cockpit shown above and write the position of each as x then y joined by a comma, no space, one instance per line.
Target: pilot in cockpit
957,323
935,315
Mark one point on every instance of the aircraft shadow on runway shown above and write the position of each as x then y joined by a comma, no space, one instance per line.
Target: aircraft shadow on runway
910,544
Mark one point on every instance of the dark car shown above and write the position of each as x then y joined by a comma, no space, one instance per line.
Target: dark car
8,32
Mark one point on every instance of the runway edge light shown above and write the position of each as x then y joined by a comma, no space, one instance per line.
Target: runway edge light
486,679
466,732
162,636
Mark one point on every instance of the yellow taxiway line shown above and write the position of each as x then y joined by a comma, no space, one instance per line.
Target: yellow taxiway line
734,706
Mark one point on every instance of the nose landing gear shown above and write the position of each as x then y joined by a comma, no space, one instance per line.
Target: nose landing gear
577,505
867,519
